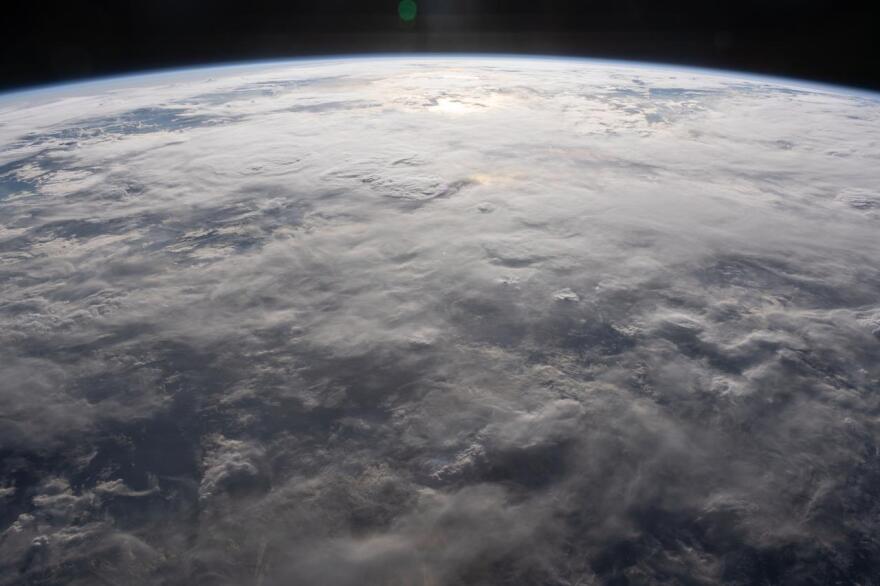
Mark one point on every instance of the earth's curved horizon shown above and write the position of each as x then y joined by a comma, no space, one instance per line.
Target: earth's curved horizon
441,320
28,90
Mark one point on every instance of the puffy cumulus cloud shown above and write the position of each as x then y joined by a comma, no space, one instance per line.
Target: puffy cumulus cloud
231,468
74,536
444,538
441,322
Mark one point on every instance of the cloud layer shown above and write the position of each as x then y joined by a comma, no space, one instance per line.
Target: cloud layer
440,322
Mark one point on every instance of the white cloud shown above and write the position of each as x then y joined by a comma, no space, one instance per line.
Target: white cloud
439,322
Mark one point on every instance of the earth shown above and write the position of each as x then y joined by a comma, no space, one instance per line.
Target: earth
440,321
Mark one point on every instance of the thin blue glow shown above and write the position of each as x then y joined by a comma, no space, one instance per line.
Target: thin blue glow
169,74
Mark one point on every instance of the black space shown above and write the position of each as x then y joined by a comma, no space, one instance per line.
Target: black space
831,41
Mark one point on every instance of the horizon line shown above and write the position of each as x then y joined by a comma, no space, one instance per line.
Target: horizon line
247,63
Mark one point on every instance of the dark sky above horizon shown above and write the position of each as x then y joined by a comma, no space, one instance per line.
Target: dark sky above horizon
811,39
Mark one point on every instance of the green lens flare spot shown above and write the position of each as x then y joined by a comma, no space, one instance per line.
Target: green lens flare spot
407,10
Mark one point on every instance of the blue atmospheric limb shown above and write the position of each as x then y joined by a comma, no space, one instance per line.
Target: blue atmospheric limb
189,72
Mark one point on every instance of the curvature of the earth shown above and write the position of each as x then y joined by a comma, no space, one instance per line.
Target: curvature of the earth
439,322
